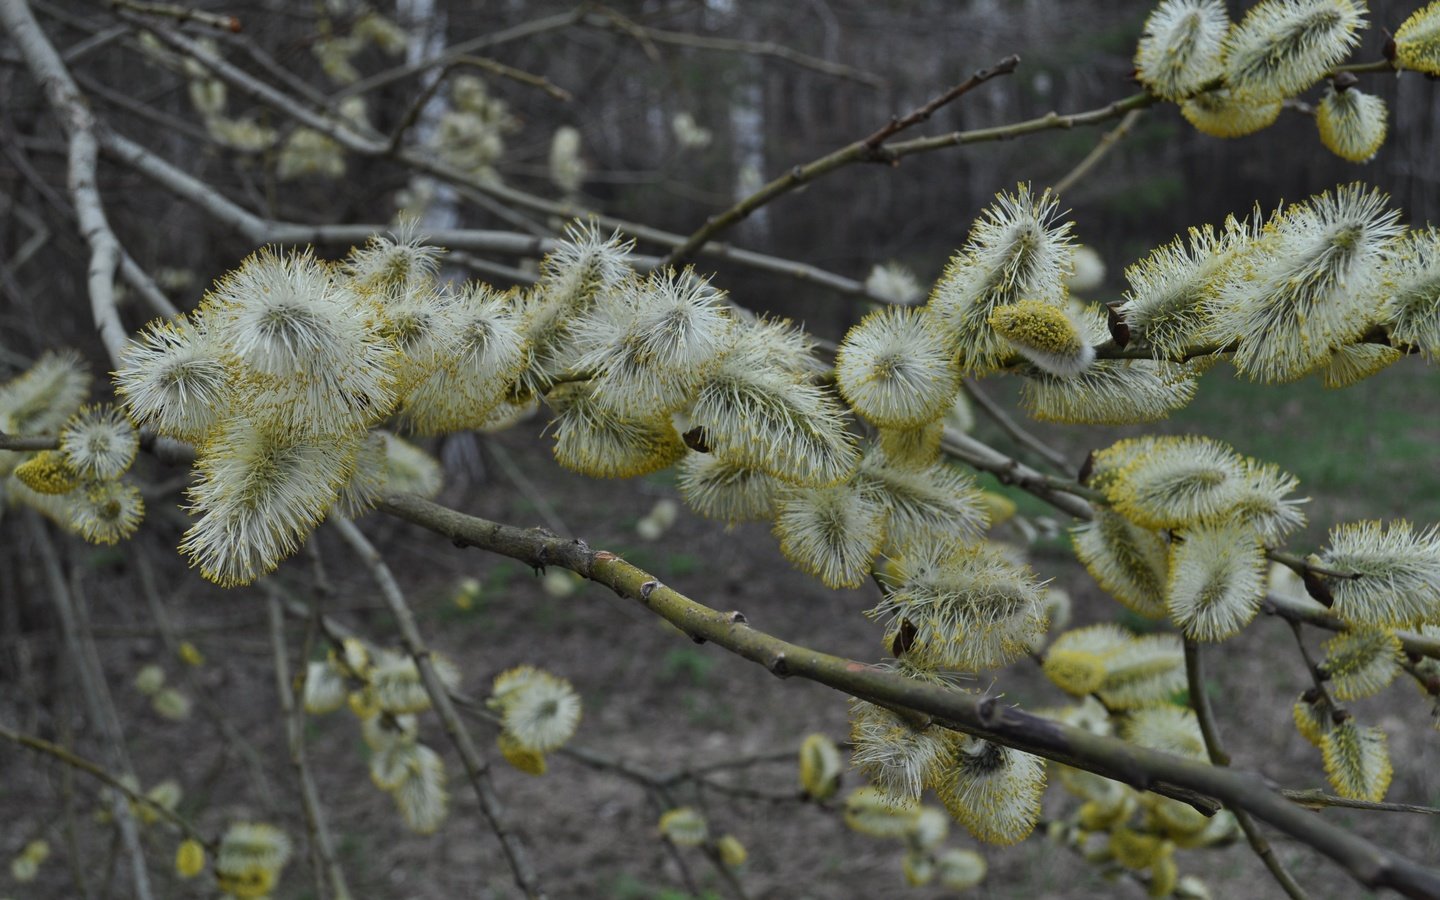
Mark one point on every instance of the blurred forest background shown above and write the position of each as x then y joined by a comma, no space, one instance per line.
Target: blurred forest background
751,116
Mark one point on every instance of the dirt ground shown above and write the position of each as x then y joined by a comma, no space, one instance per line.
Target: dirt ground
652,698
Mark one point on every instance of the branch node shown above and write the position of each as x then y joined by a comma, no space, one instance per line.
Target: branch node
778,666
647,589
736,617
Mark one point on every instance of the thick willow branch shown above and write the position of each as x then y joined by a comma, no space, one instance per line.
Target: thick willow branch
75,118
1371,865
869,149
475,765
1210,734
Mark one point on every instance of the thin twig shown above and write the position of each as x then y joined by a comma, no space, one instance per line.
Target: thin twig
79,125
1318,799
868,149
101,774
608,18
1210,734
1013,428
1098,152
323,861
475,765
100,709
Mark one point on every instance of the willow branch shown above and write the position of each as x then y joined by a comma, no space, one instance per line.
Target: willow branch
476,767
1047,122
869,149
1098,152
1013,428
1371,865
102,775
26,443
234,738
99,708
75,118
323,862
1210,734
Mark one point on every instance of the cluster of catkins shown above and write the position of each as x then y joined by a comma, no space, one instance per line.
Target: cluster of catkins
80,485
1234,80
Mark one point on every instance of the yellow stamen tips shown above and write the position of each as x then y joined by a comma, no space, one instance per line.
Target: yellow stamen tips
1357,761
531,762
994,791
820,767
898,758
1223,113
1168,728
105,512
684,827
1362,661
970,607
1312,719
1129,562
1399,569
1352,123
1313,282
1417,41
832,533
1016,249
1412,310
48,472
1179,51
1044,335
1354,363
1176,482
541,711
189,858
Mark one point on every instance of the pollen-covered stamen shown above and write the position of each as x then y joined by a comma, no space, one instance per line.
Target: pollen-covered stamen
1216,581
1044,334
1015,250
1312,284
994,791
1417,40
1225,113
831,532
1352,123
